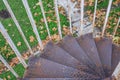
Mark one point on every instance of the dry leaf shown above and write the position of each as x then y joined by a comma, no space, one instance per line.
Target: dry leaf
9,24
54,28
19,44
31,39
8,77
38,4
36,14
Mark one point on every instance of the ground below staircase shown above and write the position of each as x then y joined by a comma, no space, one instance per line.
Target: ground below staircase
82,58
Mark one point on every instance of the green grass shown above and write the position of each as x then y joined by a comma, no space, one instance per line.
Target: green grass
19,69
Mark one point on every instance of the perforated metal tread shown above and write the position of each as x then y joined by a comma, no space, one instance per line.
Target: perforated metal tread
69,44
104,46
88,45
56,54
57,62
42,68
115,56
56,79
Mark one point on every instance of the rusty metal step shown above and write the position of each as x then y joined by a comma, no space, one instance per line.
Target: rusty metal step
54,53
115,56
43,68
87,43
56,79
104,46
70,45
109,78
50,79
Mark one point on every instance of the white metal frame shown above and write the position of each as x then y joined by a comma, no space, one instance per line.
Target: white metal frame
17,24
106,18
58,18
27,8
69,16
115,30
8,66
81,17
45,20
12,45
94,16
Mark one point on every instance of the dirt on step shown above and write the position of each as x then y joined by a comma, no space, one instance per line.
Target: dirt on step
4,14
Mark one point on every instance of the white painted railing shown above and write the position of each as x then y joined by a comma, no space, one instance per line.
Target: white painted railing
106,18
17,24
115,30
82,17
94,16
42,9
58,18
8,66
25,3
27,8
1,79
12,45
69,15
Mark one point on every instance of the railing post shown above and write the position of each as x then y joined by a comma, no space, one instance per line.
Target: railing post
12,45
81,17
116,72
106,18
8,66
17,25
69,16
43,13
27,8
115,30
58,18
94,16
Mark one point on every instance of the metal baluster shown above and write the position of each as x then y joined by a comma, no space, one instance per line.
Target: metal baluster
43,13
17,24
95,8
27,8
58,18
8,66
82,17
115,30
116,72
12,45
106,18
69,16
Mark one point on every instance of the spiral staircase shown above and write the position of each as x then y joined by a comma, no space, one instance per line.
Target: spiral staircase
85,57
81,58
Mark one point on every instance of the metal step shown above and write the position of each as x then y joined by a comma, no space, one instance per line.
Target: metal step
50,79
70,45
56,54
56,79
43,68
104,46
83,58
115,56
87,43
109,78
